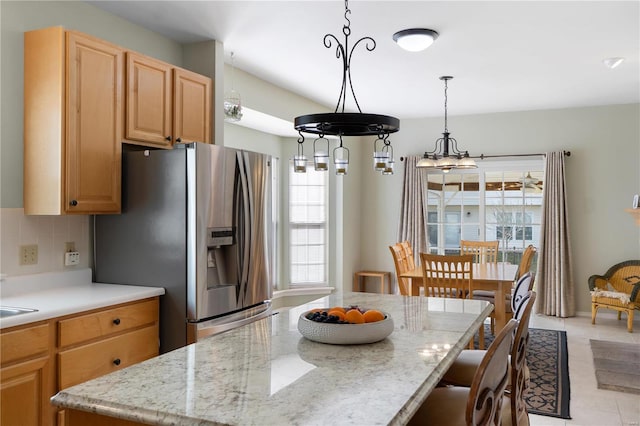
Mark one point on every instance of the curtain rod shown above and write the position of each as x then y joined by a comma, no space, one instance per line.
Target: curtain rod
482,156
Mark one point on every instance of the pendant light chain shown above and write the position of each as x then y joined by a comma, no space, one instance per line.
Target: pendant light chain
446,128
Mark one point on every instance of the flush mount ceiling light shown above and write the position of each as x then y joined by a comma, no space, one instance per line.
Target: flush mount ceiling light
446,155
611,63
341,123
415,39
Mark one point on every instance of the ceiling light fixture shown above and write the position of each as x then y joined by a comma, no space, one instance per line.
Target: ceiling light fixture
415,39
611,63
446,155
232,102
341,123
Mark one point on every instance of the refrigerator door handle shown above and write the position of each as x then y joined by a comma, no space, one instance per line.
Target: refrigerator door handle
245,216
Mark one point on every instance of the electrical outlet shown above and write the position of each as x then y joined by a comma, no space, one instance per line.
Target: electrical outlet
29,254
71,258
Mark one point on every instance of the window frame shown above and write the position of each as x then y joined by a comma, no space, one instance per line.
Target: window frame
322,225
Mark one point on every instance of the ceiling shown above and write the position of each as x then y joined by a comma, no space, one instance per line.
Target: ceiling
504,55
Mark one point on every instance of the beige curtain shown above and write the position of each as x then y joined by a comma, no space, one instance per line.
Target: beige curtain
412,223
554,278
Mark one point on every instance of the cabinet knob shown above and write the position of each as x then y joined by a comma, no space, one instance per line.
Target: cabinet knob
179,140
116,321
73,202
168,138
117,361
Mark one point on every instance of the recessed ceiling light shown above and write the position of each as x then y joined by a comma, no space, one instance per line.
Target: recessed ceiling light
611,63
415,39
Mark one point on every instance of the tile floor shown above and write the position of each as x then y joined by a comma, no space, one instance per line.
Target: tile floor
591,406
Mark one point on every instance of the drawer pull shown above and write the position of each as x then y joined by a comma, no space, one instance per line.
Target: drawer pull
116,321
117,361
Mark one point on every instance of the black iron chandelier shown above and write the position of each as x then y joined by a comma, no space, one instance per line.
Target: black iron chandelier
340,123
446,155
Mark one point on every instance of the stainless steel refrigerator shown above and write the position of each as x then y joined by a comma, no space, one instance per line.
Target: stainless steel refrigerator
196,220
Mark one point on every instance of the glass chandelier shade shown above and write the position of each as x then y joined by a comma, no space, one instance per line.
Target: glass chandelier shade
299,160
341,159
321,154
446,155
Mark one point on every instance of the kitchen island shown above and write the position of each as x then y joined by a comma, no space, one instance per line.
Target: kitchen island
267,373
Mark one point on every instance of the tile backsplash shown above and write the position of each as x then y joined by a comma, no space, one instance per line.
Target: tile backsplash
49,233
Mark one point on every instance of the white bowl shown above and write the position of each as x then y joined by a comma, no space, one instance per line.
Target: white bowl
345,334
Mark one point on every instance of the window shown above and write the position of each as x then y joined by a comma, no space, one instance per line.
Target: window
498,201
308,227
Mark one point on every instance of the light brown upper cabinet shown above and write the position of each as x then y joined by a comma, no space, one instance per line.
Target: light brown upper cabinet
73,123
166,104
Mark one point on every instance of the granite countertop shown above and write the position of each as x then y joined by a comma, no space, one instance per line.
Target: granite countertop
63,293
267,373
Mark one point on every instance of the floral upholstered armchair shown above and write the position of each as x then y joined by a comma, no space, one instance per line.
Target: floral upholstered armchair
618,289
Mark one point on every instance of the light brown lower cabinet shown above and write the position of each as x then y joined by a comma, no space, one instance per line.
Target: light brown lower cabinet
82,418
38,360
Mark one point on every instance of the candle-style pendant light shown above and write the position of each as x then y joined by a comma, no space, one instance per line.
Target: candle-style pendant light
341,123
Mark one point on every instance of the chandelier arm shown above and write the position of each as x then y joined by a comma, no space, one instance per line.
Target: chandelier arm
454,147
340,53
437,148
370,48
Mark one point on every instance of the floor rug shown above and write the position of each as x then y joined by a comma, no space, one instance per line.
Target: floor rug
617,365
548,361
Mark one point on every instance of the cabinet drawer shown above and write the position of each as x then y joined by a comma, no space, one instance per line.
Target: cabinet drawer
105,323
96,359
23,343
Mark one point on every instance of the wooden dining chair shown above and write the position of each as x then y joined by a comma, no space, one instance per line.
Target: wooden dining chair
446,276
401,264
463,369
482,251
526,260
479,404
408,251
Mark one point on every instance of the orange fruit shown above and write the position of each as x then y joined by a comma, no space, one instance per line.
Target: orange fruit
338,308
354,316
373,315
337,313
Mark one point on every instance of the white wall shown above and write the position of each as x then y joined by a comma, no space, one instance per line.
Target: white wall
602,177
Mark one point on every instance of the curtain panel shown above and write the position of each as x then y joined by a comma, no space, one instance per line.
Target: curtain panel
554,277
412,224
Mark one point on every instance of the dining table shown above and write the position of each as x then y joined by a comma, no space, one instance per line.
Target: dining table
267,373
497,277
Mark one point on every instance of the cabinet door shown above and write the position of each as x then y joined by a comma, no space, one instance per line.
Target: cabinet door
192,107
23,396
94,125
149,100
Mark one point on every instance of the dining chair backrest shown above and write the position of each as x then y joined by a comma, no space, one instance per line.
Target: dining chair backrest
401,265
523,286
526,260
518,379
482,251
446,276
484,405
408,251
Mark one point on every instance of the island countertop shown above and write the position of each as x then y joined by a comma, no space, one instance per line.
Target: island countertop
267,373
